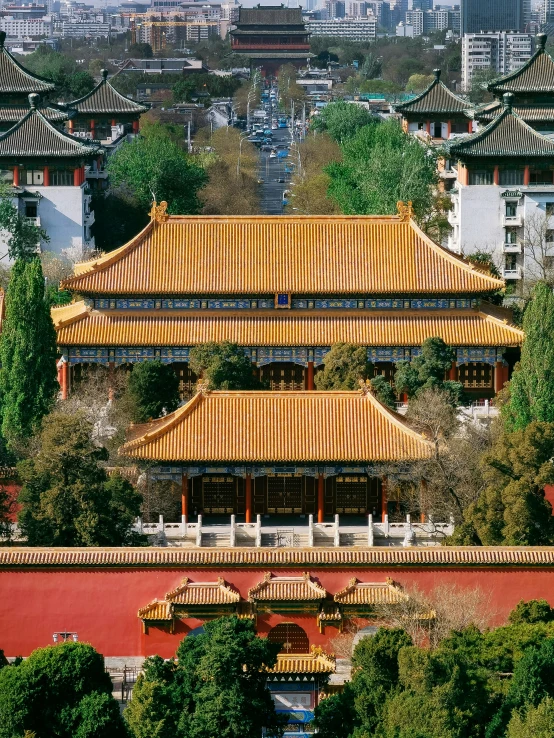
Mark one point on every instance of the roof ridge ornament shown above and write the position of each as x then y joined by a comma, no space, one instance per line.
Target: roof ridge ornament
508,101
541,41
104,73
33,100
405,210
159,213
437,73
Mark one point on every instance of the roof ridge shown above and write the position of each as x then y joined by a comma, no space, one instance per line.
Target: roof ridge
105,82
30,75
62,135
399,420
541,50
437,82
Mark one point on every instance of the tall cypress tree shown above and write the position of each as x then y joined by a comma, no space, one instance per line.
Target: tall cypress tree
532,384
27,353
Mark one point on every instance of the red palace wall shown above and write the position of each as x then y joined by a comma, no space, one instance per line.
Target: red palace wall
101,604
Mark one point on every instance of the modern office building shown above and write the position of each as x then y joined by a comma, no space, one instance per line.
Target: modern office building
491,15
500,52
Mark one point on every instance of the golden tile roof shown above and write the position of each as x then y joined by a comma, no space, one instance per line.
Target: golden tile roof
307,427
203,593
281,589
217,255
316,662
369,593
439,556
78,325
156,610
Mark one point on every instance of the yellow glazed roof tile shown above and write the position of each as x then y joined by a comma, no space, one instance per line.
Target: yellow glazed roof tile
308,427
316,662
202,593
216,255
439,556
369,593
78,326
278,589
156,610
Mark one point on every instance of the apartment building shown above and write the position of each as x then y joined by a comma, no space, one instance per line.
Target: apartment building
500,52
354,29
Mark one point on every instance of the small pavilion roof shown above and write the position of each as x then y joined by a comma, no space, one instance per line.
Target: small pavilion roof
79,325
369,593
232,426
507,135
203,593
437,98
156,610
316,662
289,589
34,136
105,99
16,79
529,113
535,76
330,255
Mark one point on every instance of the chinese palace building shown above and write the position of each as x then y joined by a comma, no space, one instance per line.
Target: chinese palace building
285,289
130,603
291,453
438,112
271,36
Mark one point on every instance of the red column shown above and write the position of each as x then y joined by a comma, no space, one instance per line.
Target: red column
310,384
526,174
185,495
46,177
498,376
448,129
470,127
384,508
320,498
92,128
77,177
453,372
65,380
135,126
113,123
496,175
16,176
429,127
248,495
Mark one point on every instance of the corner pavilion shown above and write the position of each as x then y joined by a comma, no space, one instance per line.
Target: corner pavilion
285,289
280,452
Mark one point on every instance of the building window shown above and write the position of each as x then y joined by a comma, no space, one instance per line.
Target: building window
510,177
31,209
481,177
511,209
511,236
548,262
549,208
6,175
549,236
510,264
476,375
32,176
541,176
61,177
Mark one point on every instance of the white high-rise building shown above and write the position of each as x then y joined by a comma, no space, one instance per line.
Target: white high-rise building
501,52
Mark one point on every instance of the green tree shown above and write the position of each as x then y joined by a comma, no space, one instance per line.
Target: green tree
343,367
533,611
419,82
70,79
372,66
532,384
23,236
66,497
27,354
60,691
223,366
334,717
217,687
155,168
534,722
381,166
342,120
141,51
376,674
512,510
153,388
383,391
427,371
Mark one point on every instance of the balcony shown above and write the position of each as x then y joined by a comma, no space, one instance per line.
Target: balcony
512,248
89,218
515,221
96,174
33,221
509,273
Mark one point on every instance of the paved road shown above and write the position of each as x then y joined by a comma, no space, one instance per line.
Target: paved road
272,170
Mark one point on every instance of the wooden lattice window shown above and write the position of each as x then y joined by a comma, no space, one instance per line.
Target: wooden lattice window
218,495
284,493
476,375
352,494
292,637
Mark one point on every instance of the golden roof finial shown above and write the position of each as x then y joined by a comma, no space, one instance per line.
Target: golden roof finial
405,210
159,212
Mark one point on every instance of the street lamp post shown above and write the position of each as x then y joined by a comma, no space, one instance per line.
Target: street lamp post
242,138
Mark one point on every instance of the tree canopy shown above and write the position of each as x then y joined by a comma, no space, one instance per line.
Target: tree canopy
427,371
342,120
28,382
531,391
60,691
67,499
217,687
223,366
154,389
154,167
343,367
70,79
